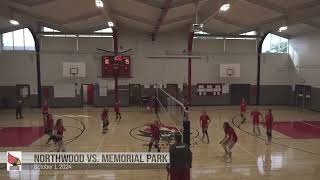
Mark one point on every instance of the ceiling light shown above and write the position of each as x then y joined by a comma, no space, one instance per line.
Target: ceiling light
225,7
99,3
14,22
110,24
283,28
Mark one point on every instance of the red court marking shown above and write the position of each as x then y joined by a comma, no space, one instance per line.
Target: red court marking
299,129
19,136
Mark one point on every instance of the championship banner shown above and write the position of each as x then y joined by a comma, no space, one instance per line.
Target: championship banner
17,160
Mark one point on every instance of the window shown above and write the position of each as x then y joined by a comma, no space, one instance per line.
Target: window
201,32
251,33
19,40
46,29
50,30
275,44
97,35
107,30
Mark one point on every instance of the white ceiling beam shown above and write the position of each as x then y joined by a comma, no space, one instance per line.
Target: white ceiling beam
153,4
179,19
95,28
133,18
106,11
158,4
34,3
230,22
38,19
163,14
82,17
292,18
205,18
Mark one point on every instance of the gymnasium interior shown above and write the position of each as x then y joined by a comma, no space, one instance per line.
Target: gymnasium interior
80,56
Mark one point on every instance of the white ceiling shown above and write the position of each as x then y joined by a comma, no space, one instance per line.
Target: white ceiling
302,16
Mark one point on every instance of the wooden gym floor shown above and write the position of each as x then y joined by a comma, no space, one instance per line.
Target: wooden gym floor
287,157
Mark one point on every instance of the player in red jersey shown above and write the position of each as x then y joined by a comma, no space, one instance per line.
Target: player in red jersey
155,136
117,110
105,120
58,134
255,116
243,109
268,124
48,127
204,123
229,140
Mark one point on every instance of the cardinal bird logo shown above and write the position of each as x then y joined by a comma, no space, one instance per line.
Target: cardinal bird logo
167,133
14,160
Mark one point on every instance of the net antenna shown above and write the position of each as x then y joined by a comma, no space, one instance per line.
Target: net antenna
172,109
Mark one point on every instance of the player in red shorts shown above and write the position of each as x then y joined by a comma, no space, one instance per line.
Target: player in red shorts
204,123
117,110
255,116
243,108
155,136
58,134
105,120
229,140
268,124
48,127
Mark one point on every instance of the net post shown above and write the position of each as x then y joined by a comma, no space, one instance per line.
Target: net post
186,126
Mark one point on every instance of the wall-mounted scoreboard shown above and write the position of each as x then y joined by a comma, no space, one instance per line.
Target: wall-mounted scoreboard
116,65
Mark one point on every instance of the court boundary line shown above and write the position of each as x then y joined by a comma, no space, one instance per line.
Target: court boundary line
238,143
303,121
279,144
113,124
76,137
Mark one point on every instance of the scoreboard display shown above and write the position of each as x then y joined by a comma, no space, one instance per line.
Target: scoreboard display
116,65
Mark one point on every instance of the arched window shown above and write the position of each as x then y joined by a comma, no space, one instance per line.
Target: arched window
275,44
19,40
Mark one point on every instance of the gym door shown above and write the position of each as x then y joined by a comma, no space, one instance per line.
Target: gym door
239,91
134,94
303,95
87,93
